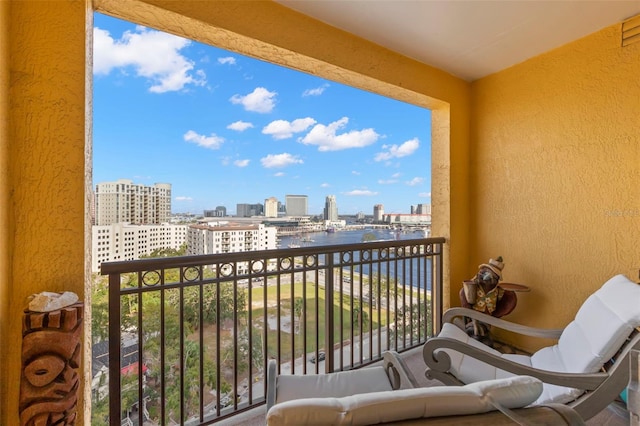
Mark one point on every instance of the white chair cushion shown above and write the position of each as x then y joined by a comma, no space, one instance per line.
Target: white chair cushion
467,368
389,406
343,383
599,330
601,326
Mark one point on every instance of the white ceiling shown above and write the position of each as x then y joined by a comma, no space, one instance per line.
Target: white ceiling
469,38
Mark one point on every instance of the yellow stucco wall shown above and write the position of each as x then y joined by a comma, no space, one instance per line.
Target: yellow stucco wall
42,190
4,192
555,173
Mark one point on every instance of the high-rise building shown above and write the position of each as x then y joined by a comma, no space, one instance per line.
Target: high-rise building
271,207
124,201
378,212
296,205
330,208
123,241
220,211
421,209
248,210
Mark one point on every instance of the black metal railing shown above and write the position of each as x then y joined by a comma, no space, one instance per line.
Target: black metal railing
190,337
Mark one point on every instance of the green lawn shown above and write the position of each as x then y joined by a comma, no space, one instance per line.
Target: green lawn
289,340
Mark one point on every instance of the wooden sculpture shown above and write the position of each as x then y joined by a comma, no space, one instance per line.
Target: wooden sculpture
487,293
51,353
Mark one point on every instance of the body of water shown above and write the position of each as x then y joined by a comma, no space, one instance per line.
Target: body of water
408,273
345,237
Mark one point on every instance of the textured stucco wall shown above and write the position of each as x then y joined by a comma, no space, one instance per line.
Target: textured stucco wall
269,31
46,171
555,173
5,271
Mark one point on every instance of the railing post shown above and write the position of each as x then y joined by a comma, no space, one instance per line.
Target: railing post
436,287
633,391
115,410
329,323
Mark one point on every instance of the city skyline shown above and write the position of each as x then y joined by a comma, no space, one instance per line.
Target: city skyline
224,129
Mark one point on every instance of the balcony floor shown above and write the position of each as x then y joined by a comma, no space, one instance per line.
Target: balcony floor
611,416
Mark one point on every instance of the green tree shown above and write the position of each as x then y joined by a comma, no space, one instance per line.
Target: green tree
369,236
166,252
99,308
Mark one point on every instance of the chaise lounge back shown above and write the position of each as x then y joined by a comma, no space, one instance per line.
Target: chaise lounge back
586,369
475,403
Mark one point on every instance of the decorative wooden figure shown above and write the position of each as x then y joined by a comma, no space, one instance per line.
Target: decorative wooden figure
51,353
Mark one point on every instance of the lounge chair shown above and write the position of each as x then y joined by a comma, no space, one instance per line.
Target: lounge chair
355,398
587,368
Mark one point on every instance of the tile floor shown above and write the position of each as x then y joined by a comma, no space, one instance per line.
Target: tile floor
614,415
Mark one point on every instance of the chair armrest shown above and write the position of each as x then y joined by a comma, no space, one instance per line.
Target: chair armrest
399,374
271,383
452,313
439,361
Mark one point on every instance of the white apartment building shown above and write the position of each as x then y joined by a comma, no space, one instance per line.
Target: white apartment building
407,219
124,201
124,241
211,239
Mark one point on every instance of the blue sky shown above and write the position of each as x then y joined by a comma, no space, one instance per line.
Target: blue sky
225,129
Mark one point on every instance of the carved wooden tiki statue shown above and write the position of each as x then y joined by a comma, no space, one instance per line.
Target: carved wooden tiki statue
51,351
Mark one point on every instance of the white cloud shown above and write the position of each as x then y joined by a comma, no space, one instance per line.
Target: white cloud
183,199
424,195
387,181
315,92
228,60
327,139
239,126
279,174
355,172
260,100
212,142
324,185
241,163
398,151
282,129
415,181
152,54
279,160
360,192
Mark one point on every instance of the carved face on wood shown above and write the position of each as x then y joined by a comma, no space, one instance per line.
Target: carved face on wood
50,358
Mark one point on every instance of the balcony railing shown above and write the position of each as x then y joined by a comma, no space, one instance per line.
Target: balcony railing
190,337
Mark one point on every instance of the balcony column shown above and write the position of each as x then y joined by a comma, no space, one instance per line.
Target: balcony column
46,190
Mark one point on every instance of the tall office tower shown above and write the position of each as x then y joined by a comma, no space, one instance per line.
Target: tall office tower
423,209
296,205
271,207
378,212
243,210
248,210
330,208
221,211
124,201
